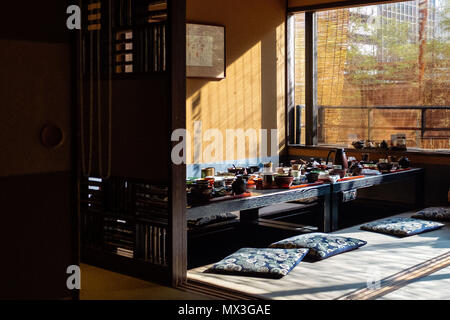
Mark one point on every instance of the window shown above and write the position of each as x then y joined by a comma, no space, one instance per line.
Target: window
381,70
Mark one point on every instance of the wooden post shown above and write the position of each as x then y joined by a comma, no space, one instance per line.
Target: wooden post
298,124
290,78
249,216
176,67
324,214
419,190
311,136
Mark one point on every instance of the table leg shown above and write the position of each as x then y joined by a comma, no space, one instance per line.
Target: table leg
324,213
249,216
335,205
419,190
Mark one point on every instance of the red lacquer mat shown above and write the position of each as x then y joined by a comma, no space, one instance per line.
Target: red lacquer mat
306,185
350,178
224,198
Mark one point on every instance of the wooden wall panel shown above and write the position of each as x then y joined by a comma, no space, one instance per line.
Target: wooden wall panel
35,20
253,94
35,90
36,233
140,129
37,185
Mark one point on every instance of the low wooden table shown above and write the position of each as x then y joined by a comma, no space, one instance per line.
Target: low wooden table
337,189
329,200
249,207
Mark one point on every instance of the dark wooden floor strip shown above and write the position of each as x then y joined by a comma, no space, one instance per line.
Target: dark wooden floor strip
217,291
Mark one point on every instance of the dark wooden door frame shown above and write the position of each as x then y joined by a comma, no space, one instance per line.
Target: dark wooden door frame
175,275
177,118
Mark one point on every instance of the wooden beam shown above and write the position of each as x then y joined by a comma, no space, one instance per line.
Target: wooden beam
298,124
416,157
338,4
311,137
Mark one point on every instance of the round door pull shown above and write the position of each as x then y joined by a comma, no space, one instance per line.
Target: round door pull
52,136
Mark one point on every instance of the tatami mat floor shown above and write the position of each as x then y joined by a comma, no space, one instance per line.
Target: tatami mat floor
101,284
433,287
338,276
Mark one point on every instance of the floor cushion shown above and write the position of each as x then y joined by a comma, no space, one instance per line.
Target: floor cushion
211,219
320,245
402,227
433,213
268,263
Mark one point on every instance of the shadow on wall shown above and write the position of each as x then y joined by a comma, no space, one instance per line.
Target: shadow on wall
252,95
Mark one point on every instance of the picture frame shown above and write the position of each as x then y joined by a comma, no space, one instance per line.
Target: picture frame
205,51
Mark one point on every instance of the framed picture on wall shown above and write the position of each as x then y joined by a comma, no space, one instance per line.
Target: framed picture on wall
205,51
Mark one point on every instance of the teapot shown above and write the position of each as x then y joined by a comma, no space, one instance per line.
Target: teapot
404,162
239,186
340,159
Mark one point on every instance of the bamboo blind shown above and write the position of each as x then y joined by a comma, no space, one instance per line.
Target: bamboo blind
384,55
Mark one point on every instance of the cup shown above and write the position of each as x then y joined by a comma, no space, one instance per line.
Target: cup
365,157
219,182
267,181
295,173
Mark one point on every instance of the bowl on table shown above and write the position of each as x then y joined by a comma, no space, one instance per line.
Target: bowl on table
385,166
237,170
219,182
253,169
312,177
284,181
358,144
200,192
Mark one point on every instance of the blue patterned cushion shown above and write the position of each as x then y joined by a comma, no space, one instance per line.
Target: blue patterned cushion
321,245
269,263
402,227
212,219
434,213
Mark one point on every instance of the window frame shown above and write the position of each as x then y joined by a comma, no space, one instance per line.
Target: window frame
311,73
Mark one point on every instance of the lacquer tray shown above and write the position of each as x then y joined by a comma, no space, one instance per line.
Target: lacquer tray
230,197
296,187
350,178
400,170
